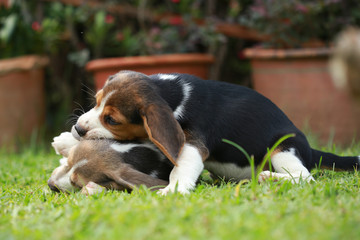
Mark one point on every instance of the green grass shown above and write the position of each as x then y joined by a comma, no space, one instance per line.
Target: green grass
326,209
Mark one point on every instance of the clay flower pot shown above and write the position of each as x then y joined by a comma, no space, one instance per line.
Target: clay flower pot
21,97
196,64
298,81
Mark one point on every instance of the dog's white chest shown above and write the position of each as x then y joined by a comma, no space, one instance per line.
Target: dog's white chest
228,171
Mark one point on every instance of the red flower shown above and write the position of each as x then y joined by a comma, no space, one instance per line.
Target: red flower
119,36
241,55
175,1
155,31
302,8
109,19
286,21
234,4
176,20
36,26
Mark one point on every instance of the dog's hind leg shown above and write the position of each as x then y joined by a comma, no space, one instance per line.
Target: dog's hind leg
287,166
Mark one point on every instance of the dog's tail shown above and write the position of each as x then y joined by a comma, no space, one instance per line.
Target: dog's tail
332,161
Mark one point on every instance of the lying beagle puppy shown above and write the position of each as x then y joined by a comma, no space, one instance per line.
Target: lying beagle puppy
92,165
187,118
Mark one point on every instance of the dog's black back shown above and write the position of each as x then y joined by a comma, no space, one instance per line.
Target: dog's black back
217,110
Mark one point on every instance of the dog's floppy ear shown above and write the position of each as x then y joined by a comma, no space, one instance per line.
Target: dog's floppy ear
163,129
129,178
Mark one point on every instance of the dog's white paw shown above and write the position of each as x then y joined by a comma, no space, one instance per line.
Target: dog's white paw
163,191
184,189
92,188
264,175
63,143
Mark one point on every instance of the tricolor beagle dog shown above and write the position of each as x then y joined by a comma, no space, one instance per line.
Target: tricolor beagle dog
187,118
92,165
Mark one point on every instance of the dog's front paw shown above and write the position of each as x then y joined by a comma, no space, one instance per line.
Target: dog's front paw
163,191
92,188
63,143
263,176
184,189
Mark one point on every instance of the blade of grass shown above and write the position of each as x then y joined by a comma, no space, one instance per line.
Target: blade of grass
251,162
267,157
255,174
250,159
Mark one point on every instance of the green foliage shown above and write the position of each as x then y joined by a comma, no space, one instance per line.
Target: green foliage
17,37
179,35
294,22
105,40
325,209
21,33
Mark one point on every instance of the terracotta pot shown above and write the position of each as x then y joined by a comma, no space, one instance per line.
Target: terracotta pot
298,81
241,32
196,64
21,97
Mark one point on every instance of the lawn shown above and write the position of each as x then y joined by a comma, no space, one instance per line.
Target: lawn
326,209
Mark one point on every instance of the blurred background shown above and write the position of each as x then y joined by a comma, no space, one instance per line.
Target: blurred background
54,55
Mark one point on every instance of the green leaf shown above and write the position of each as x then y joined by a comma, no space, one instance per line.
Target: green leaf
8,28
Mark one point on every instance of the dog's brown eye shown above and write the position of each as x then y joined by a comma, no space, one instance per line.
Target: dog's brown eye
110,120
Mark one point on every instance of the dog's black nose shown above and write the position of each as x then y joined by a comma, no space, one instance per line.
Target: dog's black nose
81,131
53,187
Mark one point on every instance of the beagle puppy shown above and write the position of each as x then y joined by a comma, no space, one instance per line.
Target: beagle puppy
92,165
187,118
